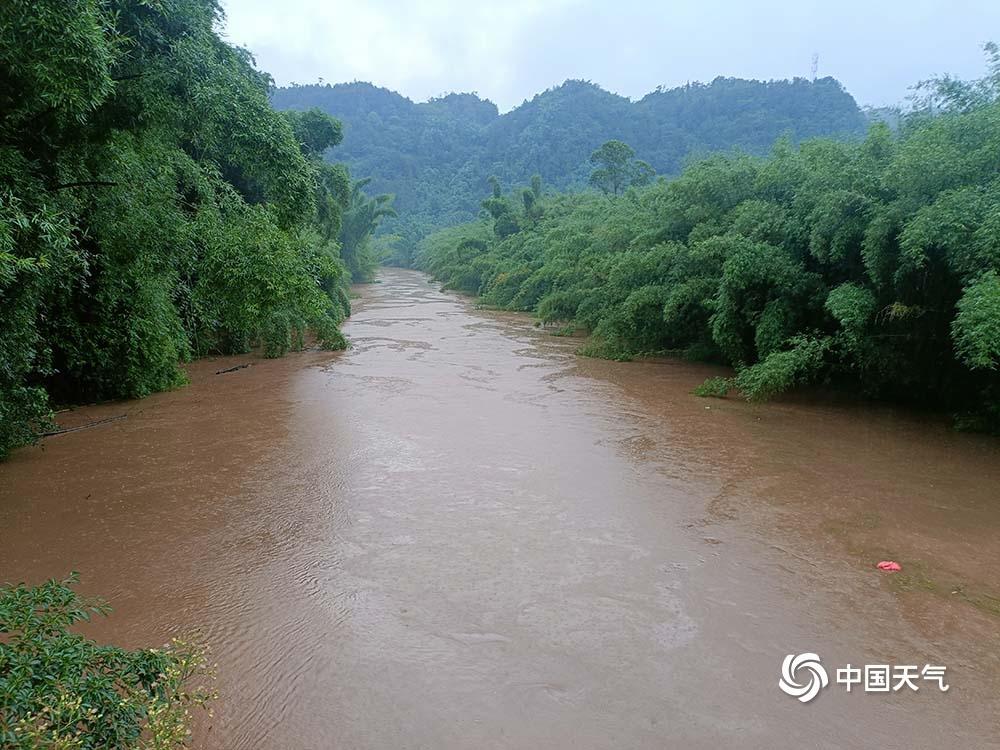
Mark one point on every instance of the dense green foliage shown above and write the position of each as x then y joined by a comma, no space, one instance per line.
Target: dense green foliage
153,206
871,265
61,691
437,156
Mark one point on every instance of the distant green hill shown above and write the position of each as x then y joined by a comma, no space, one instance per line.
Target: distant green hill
436,156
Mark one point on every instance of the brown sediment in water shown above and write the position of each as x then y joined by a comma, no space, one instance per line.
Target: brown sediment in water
459,534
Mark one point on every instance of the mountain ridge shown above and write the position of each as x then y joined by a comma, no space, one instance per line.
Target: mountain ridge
435,155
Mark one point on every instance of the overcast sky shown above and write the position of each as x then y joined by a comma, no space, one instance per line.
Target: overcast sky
509,50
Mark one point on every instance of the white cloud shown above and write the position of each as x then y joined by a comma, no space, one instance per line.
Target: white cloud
508,50
421,49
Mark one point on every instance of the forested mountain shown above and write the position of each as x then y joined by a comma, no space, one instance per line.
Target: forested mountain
437,156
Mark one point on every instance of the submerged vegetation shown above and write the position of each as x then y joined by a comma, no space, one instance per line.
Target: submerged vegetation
871,265
153,206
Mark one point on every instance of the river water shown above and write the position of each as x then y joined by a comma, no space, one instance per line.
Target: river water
459,534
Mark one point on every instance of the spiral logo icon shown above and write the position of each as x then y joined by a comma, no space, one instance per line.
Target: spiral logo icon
804,667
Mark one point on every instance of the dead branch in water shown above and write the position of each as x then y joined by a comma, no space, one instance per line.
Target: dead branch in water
233,369
83,426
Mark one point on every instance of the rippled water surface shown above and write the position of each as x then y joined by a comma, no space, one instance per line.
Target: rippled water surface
458,534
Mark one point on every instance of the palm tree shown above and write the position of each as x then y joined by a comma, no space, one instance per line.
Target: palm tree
360,221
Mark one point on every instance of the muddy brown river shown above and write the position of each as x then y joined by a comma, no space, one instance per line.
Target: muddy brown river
459,534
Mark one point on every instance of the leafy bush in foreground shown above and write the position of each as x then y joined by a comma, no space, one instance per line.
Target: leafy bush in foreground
59,690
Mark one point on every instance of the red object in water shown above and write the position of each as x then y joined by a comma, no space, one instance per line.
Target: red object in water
889,566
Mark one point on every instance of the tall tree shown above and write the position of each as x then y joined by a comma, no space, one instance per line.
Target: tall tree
617,169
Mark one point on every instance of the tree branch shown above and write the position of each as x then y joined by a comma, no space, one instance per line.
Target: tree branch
86,183
83,426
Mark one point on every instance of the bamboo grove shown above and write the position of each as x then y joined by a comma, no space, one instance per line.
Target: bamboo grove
153,205
869,265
